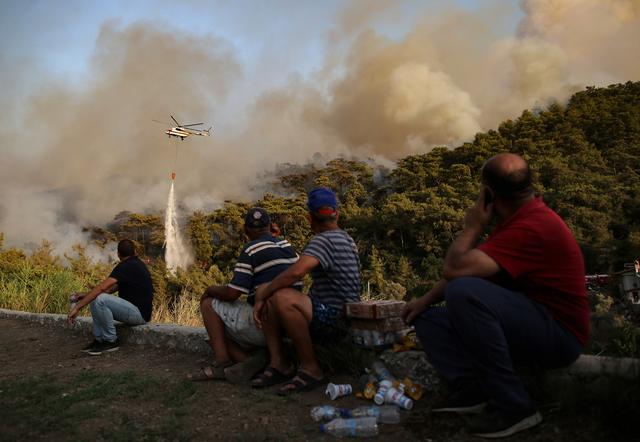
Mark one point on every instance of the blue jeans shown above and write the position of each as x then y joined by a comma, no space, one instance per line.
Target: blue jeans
105,308
484,329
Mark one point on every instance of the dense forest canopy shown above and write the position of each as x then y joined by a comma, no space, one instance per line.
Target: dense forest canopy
585,156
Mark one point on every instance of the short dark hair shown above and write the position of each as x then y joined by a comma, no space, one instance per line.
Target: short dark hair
512,185
126,248
258,230
325,215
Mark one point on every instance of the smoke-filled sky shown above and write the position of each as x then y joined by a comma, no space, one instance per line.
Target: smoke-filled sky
279,81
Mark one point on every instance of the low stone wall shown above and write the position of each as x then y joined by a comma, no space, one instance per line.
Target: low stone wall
191,339
414,363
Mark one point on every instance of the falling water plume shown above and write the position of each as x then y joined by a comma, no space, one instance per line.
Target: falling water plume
176,252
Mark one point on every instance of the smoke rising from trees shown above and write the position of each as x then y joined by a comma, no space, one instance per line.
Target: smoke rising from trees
78,154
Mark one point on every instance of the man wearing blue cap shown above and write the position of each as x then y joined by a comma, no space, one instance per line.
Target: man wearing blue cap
228,320
331,258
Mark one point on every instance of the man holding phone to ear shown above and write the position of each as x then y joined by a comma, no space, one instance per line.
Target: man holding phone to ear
519,297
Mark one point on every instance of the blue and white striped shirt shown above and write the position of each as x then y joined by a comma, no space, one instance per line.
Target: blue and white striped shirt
261,260
337,279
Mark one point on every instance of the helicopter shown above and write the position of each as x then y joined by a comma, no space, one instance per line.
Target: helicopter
183,131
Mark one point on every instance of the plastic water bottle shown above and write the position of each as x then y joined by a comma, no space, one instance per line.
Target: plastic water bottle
356,427
394,396
385,414
385,385
73,300
324,413
335,391
382,372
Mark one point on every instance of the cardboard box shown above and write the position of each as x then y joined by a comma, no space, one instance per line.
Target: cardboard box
384,324
374,309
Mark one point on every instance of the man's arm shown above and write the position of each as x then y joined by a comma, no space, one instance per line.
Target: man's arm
414,308
221,292
295,273
86,298
462,258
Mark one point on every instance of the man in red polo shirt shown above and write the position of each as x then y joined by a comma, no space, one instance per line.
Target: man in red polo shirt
519,297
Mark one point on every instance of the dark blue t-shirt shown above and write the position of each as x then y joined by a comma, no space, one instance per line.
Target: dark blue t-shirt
134,284
262,260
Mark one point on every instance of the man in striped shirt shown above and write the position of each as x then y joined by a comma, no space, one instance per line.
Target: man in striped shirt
331,257
229,320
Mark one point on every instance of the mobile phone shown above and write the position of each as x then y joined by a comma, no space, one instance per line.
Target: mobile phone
488,197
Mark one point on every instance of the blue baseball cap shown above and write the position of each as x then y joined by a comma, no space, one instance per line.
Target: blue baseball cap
322,201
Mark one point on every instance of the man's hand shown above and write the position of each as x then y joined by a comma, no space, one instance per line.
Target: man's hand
479,215
71,317
261,290
413,309
258,311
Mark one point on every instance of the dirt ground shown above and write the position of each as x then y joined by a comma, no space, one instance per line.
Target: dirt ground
49,390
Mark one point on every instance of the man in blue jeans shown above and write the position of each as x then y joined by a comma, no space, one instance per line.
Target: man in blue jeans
131,279
519,297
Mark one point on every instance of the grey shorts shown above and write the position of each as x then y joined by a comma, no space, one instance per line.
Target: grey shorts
238,322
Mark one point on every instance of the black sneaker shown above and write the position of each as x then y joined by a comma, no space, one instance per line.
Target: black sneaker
497,423
91,346
461,402
104,347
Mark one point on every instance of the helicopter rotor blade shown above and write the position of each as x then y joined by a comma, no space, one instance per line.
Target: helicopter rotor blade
175,121
163,122
194,124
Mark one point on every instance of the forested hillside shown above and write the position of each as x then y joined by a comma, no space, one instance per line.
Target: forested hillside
586,161
585,157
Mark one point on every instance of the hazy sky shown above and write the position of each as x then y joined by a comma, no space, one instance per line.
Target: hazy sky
47,40
280,81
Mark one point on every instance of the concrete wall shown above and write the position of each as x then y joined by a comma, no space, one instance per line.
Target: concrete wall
192,339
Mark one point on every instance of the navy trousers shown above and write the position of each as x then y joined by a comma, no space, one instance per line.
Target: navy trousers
483,331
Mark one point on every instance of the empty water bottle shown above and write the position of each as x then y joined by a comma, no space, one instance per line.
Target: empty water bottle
73,300
356,427
385,414
335,391
324,413
381,372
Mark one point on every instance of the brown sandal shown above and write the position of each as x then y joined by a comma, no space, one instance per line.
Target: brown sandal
270,376
302,381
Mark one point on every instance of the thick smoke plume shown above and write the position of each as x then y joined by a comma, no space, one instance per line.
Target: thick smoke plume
81,153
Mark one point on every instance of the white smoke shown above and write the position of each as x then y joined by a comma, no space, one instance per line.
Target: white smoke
177,254
93,151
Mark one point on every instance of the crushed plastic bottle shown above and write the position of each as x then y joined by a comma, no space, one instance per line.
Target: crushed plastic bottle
335,391
324,413
355,427
385,414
